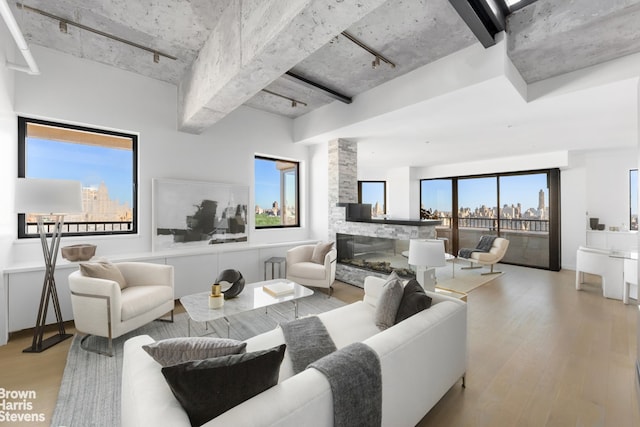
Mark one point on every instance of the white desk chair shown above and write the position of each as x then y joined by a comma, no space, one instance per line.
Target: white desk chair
599,263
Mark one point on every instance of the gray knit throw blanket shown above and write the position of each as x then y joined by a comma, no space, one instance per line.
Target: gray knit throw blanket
307,340
484,245
356,385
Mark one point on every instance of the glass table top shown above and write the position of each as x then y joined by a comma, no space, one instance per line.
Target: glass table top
253,296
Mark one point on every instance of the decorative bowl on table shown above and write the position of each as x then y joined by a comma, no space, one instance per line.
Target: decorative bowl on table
82,252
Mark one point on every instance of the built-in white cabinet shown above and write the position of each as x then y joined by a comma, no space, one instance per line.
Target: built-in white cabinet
193,272
24,291
247,262
618,240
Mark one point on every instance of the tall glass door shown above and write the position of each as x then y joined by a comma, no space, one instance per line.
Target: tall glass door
523,207
524,218
477,210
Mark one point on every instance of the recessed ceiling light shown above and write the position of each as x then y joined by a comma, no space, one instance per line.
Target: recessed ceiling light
512,2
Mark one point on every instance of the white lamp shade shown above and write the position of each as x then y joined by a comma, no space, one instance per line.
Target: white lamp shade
48,196
426,252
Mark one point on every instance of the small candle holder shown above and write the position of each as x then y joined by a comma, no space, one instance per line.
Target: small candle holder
216,299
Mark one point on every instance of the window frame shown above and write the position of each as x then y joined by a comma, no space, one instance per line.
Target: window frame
384,188
297,192
633,185
23,122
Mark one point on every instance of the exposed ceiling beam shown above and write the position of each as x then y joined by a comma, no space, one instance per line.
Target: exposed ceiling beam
480,18
520,5
251,47
317,86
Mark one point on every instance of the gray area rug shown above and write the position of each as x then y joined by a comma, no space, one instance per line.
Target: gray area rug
90,391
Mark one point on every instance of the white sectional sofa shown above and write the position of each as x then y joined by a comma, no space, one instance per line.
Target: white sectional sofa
421,358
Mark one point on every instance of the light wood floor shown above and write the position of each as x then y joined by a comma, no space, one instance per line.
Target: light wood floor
540,354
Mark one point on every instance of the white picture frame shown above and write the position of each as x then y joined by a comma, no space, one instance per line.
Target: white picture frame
188,214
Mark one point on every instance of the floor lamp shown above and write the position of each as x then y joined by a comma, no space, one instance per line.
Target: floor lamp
48,198
426,254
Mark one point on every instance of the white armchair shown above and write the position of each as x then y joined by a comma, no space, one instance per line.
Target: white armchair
496,253
302,270
102,308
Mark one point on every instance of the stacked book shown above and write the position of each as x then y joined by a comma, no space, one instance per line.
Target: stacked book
279,289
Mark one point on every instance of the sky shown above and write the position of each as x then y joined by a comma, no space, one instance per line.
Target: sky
267,188
476,192
372,193
88,164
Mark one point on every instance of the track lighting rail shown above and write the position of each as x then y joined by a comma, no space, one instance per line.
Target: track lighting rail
64,22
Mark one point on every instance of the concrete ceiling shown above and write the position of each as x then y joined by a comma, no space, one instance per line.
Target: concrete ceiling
545,39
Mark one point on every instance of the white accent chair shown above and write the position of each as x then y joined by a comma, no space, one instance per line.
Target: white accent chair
599,263
102,308
630,279
302,270
496,253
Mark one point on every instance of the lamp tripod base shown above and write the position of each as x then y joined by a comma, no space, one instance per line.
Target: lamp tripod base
47,343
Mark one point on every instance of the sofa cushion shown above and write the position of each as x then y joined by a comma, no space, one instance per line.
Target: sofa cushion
140,299
320,251
184,349
388,302
103,270
413,301
207,388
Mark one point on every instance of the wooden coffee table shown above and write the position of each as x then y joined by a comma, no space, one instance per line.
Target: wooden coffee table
251,298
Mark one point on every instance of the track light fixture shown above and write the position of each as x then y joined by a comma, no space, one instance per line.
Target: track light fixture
64,23
378,56
294,102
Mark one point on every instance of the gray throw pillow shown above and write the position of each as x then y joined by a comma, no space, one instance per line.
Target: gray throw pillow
388,302
413,301
320,251
179,350
103,270
210,387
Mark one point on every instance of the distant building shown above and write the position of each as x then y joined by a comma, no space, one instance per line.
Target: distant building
97,206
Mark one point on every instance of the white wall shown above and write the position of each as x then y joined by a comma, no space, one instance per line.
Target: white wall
573,208
319,191
607,185
8,147
84,92
399,194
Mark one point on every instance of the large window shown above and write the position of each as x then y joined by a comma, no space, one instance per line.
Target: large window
103,161
633,199
375,194
521,206
276,192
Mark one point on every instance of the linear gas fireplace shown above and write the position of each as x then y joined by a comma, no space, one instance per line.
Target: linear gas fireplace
376,254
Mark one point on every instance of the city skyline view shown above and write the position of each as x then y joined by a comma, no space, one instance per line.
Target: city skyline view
474,193
92,165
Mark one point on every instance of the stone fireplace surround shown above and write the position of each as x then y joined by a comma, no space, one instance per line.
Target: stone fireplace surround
389,229
342,190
